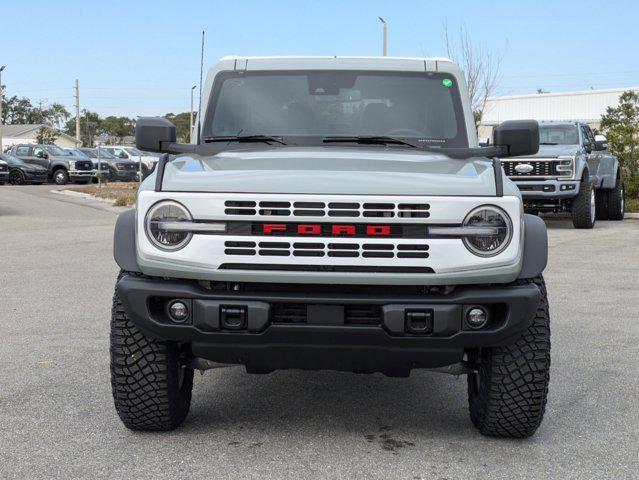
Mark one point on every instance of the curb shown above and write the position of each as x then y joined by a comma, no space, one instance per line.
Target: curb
106,203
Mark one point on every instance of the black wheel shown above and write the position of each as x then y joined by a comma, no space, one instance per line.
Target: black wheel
60,177
16,177
507,395
616,201
584,209
601,204
151,390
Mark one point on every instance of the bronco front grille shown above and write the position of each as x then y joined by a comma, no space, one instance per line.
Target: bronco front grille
541,168
324,209
353,249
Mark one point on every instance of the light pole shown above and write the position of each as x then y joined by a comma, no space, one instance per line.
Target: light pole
1,91
385,44
191,118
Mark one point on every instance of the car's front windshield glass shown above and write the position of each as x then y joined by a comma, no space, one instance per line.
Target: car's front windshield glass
10,159
558,135
423,107
55,150
102,152
79,153
133,151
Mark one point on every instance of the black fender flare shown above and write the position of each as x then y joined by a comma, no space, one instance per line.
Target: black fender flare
124,250
535,247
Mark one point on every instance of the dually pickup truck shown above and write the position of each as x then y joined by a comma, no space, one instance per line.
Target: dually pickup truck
332,213
572,172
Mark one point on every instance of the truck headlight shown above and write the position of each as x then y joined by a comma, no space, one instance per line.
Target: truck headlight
167,212
565,167
72,164
493,219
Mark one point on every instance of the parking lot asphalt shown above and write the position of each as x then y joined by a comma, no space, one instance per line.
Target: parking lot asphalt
57,418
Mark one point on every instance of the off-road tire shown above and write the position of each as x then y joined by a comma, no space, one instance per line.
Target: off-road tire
601,204
616,201
151,390
582,206
60,176
507,395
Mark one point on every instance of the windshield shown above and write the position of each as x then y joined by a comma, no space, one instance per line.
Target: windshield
424,107
10,159
558,135
94,153
78,153
55,150
133,151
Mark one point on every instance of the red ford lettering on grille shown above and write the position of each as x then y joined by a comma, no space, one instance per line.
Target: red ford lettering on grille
327,230
378,230
343,230
309,229
273,227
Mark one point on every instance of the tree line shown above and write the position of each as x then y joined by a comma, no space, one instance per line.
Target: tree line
17,111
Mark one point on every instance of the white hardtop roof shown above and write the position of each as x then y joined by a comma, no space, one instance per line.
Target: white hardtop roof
330,57
430,64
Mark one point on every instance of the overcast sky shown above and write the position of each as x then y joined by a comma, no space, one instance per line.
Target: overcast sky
141,57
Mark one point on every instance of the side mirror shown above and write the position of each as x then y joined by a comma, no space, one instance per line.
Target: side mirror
518,137
601,143
42,154
153,134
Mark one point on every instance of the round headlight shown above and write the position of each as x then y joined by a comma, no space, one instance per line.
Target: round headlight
494,219
162,213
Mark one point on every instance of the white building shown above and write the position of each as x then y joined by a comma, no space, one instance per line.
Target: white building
15,134
587,106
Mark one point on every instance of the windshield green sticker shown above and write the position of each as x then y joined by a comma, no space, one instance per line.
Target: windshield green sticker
447,82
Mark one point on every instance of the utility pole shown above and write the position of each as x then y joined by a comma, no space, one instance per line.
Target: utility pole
191,117
1,91
385,44
77,110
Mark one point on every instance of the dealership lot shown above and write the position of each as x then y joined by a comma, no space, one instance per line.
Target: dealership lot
57,418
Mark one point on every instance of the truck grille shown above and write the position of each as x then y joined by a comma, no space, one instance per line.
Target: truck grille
84,165
321,249
324,209
297,313
541,168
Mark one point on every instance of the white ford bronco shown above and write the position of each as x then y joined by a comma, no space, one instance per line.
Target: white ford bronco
332,213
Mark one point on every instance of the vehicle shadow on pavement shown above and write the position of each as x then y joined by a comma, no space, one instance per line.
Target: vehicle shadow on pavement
299,403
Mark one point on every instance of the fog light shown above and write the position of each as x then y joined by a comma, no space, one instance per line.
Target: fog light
476,318
178,311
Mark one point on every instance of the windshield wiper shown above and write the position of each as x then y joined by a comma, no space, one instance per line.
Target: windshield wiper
370,140
547,143
244,138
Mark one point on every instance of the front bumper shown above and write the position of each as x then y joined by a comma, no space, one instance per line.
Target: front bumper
75,175
321,334
124,174
4,177
547,189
